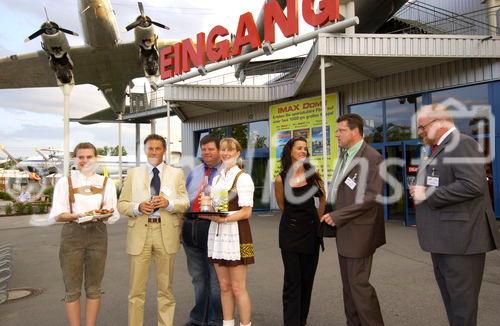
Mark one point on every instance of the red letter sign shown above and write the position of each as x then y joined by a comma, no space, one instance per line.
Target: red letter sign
220,50
166,66
289,24
329,11
190,57
246,23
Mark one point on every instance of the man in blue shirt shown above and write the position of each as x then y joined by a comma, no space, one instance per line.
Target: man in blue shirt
207,309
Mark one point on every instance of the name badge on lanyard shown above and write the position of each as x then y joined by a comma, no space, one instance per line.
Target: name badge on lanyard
433,181
351,182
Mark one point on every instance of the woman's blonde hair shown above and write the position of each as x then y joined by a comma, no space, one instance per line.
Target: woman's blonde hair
232,143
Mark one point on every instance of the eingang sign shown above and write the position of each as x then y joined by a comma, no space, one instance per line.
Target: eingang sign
182,56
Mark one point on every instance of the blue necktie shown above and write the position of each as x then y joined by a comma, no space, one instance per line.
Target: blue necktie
155,182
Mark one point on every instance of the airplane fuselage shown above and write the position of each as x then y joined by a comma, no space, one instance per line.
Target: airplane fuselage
100,29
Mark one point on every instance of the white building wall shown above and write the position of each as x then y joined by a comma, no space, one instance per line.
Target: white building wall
448,75
452,74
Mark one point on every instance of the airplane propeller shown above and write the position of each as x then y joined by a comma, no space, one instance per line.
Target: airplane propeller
49,28
144,21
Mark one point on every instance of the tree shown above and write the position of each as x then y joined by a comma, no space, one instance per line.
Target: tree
260,141
114,151
10,164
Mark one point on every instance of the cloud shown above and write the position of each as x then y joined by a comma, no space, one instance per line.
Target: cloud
32,131
33,117
85,99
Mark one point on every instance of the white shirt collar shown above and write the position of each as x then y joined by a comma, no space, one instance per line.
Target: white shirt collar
443,137
78,174
151,167
232,171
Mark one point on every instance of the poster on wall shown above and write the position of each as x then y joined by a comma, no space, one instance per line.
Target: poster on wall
302,118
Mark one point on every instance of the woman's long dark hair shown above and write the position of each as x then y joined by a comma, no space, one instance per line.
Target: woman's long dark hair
286,164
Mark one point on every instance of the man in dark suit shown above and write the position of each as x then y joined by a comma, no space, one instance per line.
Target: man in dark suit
455,219
359,219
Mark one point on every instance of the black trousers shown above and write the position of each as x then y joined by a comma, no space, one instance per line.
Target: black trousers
360,299
297,286
459,279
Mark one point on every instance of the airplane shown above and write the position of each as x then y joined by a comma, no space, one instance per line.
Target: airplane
103,61
44,164
49,162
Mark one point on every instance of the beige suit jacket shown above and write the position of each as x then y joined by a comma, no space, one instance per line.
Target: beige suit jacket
136,189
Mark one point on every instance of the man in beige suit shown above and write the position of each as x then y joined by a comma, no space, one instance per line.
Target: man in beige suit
153,197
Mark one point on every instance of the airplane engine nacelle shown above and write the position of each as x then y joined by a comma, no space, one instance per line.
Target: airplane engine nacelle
57,47
145,38
55,44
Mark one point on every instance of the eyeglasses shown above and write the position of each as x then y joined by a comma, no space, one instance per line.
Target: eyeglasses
426,125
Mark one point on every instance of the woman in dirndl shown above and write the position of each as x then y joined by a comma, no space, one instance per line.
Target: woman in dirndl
84,246
230,246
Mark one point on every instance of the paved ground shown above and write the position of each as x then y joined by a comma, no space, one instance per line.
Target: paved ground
402,275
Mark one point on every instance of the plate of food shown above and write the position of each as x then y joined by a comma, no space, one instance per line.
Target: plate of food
96,214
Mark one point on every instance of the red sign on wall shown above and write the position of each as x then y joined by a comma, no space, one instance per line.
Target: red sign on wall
182,56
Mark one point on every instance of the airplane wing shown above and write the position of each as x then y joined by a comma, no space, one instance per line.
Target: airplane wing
100,67
26,70
99,116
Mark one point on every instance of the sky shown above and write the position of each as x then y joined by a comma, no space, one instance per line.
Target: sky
33,117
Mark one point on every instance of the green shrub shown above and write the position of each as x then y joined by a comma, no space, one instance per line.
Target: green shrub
49,192
19,208
8,210
42,208
5,196
29,209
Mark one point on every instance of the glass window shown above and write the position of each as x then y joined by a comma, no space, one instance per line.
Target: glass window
472,100
257,160
240,133
219,132
372,113
258,138
399,114
197,137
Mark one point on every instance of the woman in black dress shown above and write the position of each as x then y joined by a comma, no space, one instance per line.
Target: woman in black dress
295,189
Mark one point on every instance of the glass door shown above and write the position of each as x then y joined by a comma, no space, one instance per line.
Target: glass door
396,205
404,168
412,161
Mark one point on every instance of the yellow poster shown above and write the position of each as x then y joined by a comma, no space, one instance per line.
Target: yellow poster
303,118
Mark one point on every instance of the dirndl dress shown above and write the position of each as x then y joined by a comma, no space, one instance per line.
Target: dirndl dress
230,244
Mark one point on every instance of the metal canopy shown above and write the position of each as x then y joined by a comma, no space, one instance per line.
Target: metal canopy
353,58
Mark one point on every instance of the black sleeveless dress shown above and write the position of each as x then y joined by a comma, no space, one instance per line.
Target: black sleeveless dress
299,221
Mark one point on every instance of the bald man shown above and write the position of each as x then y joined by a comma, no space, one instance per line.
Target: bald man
455,219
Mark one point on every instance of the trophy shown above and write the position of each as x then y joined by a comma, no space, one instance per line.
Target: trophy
205,199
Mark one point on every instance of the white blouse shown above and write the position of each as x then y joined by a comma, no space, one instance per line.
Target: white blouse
244,185
223,238
83,203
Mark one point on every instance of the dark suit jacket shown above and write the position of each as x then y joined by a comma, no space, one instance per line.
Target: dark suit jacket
357,214
458,217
